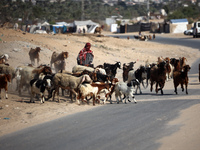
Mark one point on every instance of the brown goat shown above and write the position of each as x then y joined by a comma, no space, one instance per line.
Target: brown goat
4,79
59,65
158,76
58,57
114,81
177,65
182,62
169,69
126,69
181,77
41,69
97,29
34,54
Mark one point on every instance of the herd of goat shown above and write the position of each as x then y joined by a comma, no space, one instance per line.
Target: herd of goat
85,83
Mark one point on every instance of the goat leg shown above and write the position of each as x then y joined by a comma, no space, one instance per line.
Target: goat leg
6,94
186,89
151,86
6,90
32,97
161,87
156,88
94,100
116,99
73,92
175,87
182,87
134,99
139,88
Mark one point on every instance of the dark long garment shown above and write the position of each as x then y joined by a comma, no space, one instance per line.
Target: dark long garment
87,62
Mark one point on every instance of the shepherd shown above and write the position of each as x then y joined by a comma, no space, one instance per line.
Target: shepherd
85,56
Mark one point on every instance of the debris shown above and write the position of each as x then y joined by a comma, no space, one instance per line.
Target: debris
16,50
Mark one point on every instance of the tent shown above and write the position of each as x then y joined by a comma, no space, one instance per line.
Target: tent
62,23
40,26
88,25
178,25
58,28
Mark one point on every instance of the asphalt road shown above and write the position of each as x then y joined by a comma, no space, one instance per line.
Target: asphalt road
111,127
186,40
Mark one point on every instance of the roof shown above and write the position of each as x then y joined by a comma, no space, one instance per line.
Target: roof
61,23
179,21
87,22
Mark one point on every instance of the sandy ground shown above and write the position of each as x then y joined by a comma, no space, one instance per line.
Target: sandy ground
17,113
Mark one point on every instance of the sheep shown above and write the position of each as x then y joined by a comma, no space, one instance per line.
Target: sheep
87,90
24,77
66,81
181,77
122,88
5,69
80,68
27,73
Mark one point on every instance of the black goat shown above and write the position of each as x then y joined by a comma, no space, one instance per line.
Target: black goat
111,69
140,74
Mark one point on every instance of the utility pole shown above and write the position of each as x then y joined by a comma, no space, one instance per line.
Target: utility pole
148,11
82,16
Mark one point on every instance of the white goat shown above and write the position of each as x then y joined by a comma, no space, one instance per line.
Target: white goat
79,68
4,58
87,90
100,70
122,88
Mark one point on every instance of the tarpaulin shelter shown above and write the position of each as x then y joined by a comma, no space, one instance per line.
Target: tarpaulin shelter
40,26
88,25
59,28
178,25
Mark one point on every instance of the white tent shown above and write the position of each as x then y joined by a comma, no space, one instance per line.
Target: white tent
32,28
62,23
88,25
113,27
45,24
179,25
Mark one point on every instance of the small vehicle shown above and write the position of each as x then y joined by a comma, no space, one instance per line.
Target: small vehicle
196,30
189,32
